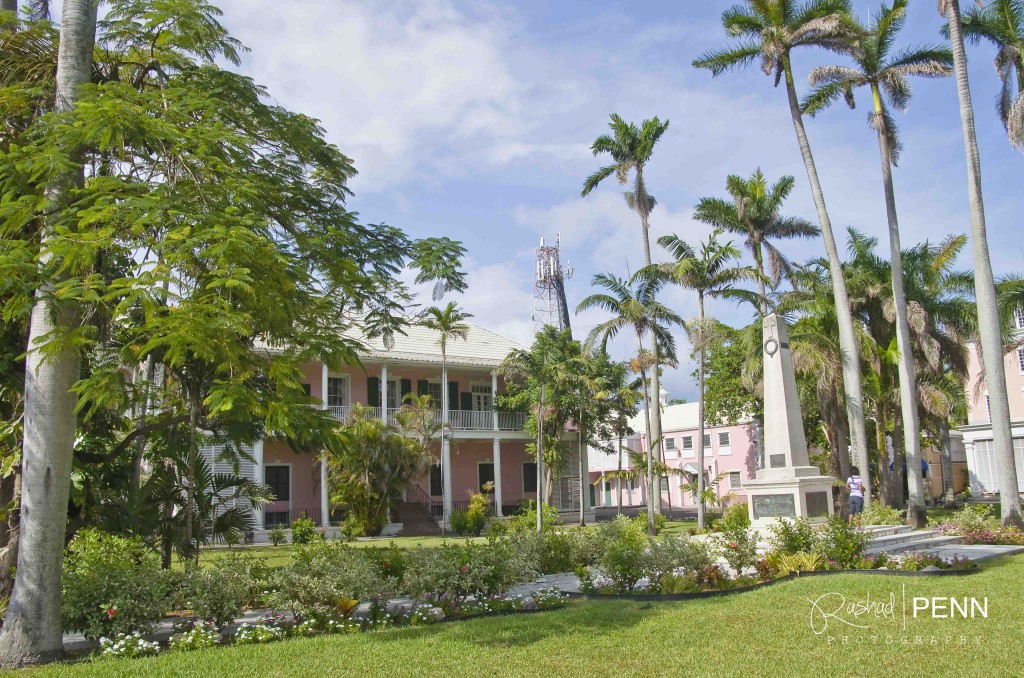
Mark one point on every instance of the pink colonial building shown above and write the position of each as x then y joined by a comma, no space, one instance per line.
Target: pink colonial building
977,434
730,451
487,445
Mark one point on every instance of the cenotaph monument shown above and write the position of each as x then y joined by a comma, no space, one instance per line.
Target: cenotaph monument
788,487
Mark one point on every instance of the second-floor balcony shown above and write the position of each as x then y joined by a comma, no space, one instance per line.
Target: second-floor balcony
458,420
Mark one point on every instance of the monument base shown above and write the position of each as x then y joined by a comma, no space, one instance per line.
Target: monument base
789,498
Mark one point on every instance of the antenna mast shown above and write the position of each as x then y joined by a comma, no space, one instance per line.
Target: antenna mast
549,304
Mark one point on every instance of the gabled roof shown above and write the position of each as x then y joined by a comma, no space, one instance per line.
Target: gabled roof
481,348
679,417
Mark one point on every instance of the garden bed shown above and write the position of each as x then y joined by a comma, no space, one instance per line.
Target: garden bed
973,569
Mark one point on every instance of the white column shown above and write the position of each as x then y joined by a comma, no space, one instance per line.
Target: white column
257,471
384,391
446,476
497,476
325,504
494,404
585,481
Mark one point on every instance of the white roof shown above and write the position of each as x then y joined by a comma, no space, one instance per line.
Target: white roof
481,347
681,417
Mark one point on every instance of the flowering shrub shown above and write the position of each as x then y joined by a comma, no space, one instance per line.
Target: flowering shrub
127,646
549,598
252,634
214,595
738,548
195,636
111,586
914,562
454,572
791,536
841,542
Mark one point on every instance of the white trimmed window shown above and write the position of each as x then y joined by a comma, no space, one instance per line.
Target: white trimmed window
687,442
1018,318
337,391
434,391
1020,359
723,439
707,441
735,480
670,445
988,407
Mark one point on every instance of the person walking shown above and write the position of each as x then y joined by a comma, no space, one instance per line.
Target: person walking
855,488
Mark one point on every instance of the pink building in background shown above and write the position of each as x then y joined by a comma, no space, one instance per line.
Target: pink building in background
730,451
981,462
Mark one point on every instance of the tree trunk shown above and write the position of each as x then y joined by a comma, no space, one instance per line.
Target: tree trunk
32,630
140,444
761,289
649,431
847,337
654,498
540,462
9,5
989,326
700,415
916,516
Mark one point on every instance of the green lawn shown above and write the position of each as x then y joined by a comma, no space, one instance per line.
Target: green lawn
278,556
760,633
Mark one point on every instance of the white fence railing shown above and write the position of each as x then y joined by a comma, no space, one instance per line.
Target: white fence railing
459,420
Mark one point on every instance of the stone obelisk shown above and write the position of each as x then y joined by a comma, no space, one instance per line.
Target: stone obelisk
788,487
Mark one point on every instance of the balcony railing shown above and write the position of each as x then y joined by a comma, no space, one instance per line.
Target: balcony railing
459,420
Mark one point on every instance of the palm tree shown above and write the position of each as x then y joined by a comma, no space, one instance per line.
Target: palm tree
885,74
633,305
1001,22
989,324
32,630
630,148
450,323
773,28
753,213
711,275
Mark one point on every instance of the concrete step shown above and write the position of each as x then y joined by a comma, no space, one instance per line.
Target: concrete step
914,545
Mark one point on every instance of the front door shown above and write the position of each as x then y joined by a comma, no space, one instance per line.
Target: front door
481,398
485,474
607,493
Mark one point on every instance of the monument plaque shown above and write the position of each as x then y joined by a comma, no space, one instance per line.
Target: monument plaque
817,504
774,506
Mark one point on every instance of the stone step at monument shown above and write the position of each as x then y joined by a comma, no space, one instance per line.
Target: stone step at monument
877,531
910,541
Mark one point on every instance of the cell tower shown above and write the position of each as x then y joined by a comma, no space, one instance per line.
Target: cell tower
549,305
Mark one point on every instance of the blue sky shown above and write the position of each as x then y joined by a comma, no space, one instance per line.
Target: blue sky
474,120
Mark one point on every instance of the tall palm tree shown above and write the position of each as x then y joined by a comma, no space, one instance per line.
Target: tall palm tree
633,305
450,323
989,324
711,274
630,148
32,630
772,30
753,213
1001,22
885,74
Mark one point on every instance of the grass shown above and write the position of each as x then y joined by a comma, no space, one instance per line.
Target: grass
279,556
758,633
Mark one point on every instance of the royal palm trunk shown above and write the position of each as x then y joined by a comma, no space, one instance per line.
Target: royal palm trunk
905,364
989,325
847,339
32,630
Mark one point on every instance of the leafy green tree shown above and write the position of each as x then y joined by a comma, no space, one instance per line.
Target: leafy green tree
630,147
770,30
373,463
990,325
728,398
753,212
168,210
711,274
633,305
1001,23
449,323
885,74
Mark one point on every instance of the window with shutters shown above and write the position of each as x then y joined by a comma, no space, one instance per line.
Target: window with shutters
1020,359
277,479
1018,318
337,391
670,444
434,391
707,441
723,439
394,395
735,480
482,398
687,442
307,389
